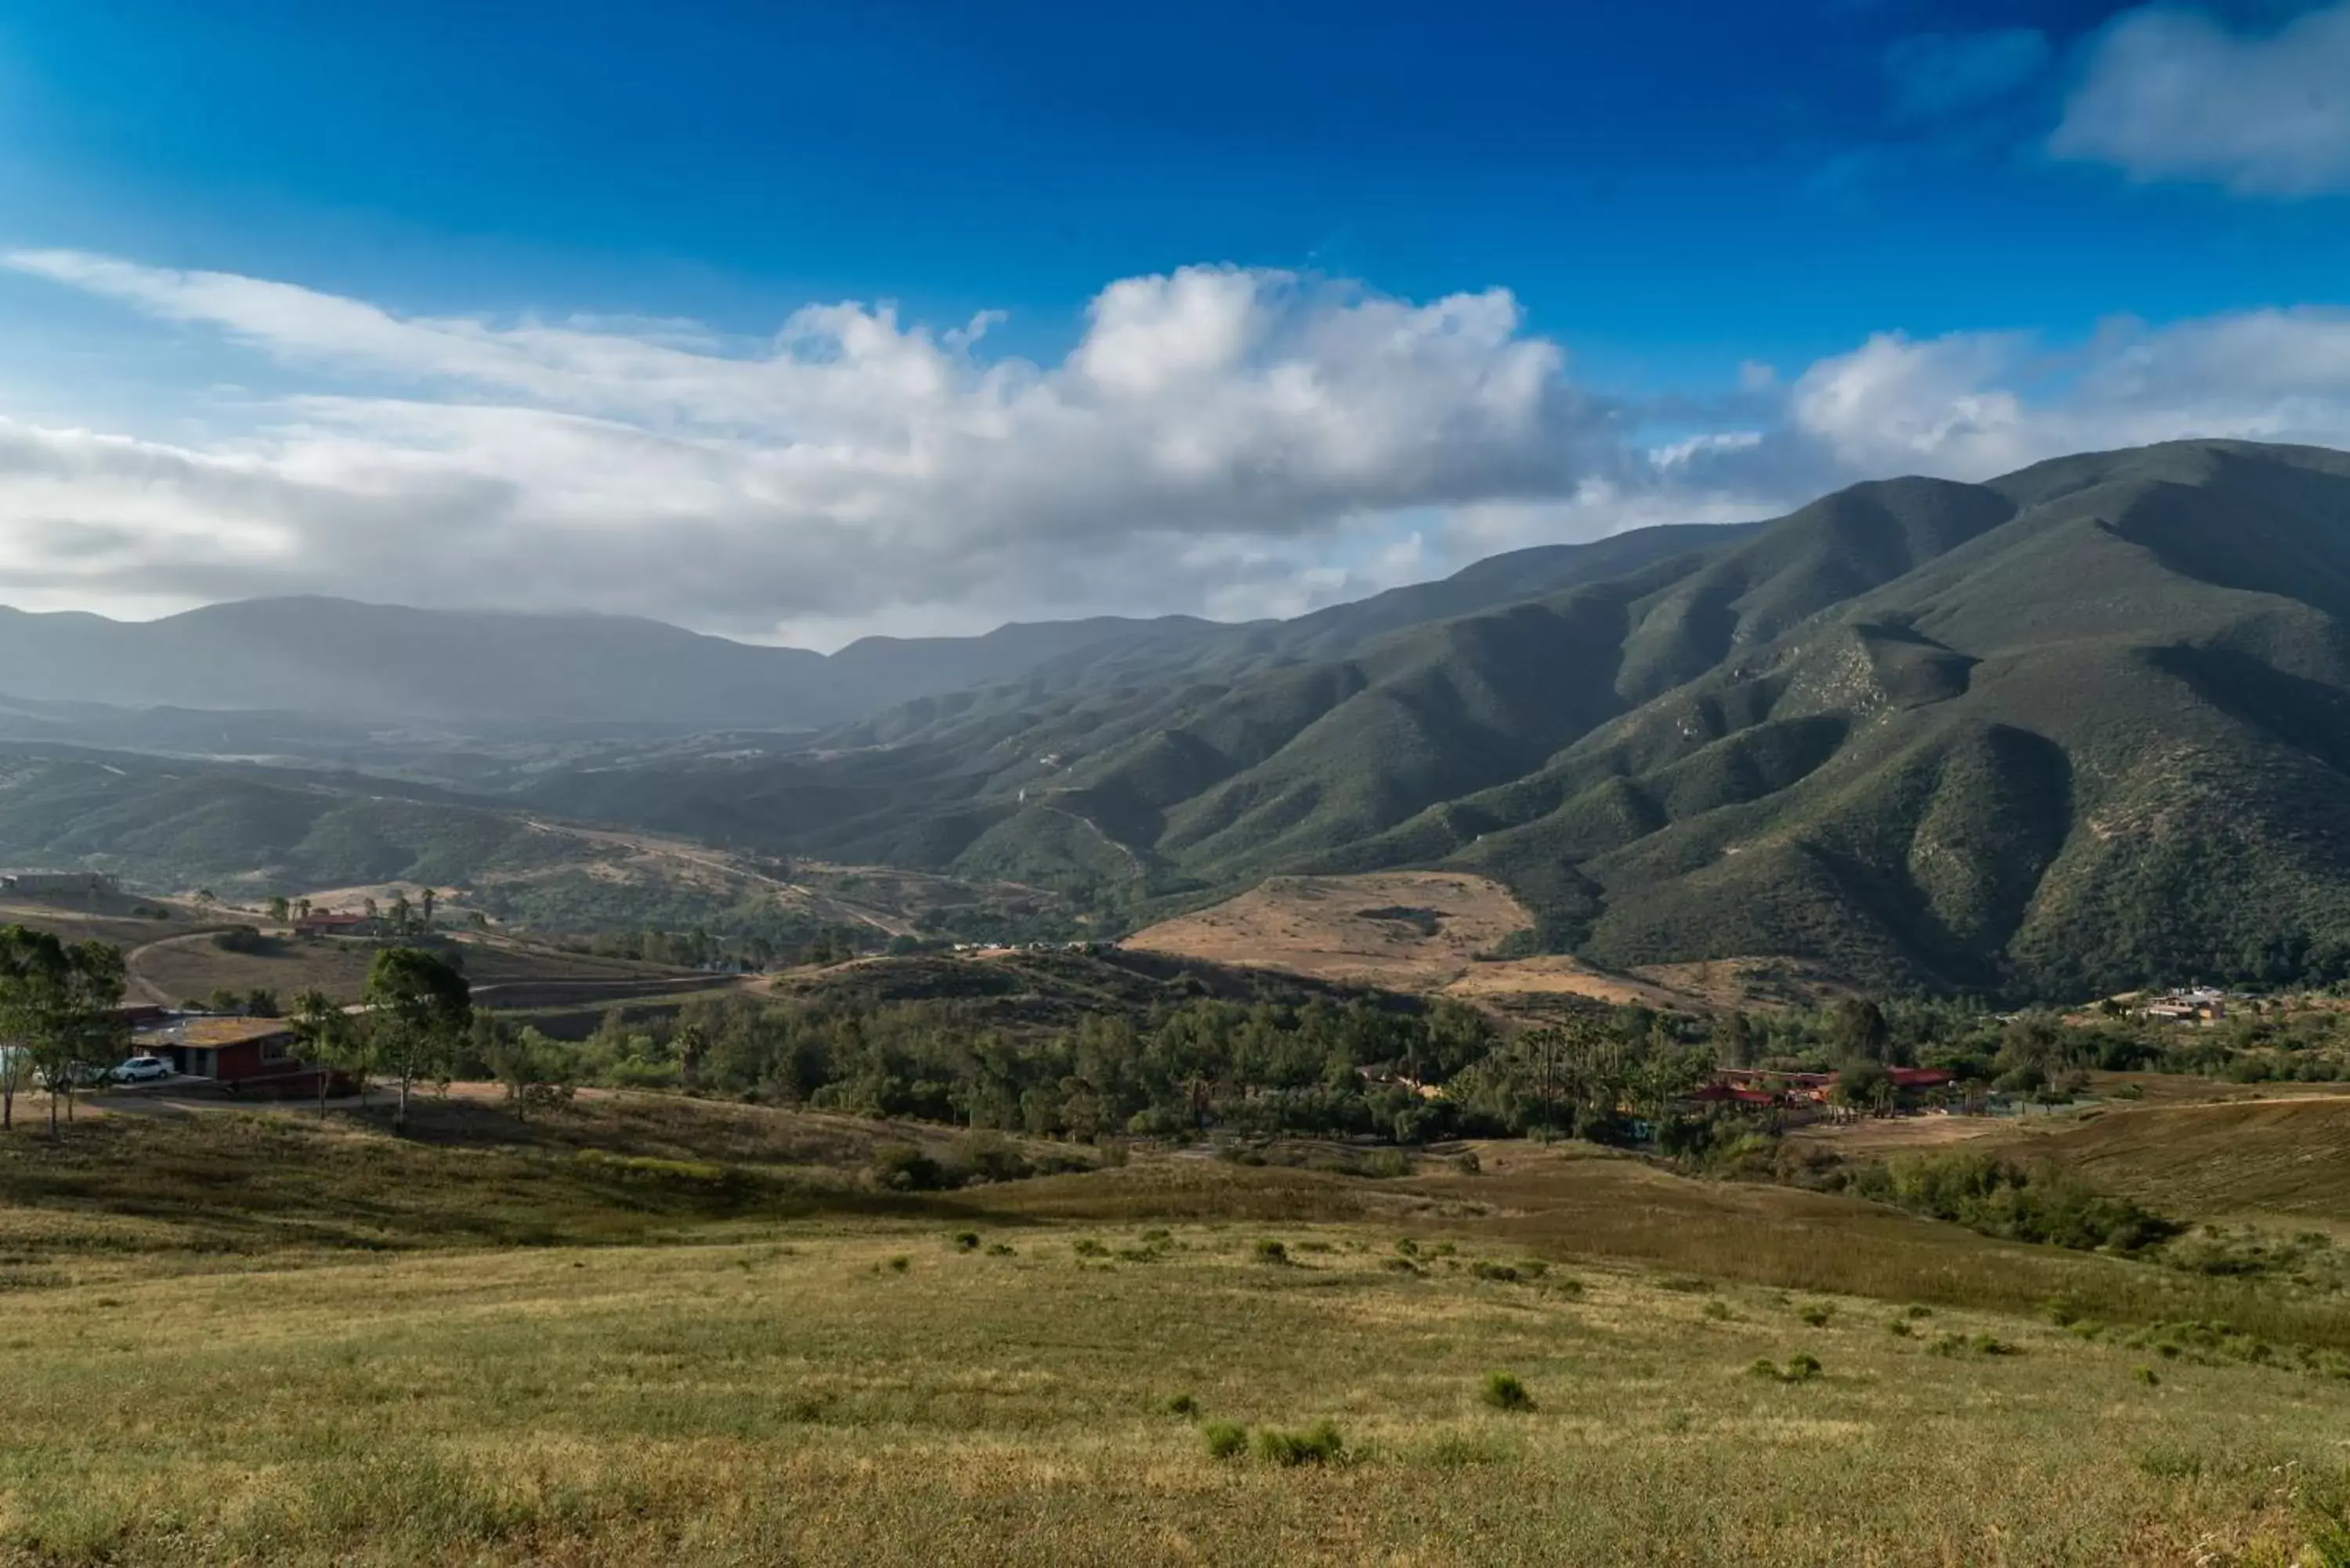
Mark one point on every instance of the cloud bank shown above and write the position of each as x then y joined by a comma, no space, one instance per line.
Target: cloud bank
1219,439
2171,94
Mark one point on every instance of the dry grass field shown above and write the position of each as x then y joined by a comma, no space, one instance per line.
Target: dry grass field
2285,1158
644,1329
192,965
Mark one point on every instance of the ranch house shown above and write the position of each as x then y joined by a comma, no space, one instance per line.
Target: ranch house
246,1055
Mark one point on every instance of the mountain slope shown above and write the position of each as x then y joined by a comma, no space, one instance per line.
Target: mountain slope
2080,726
354,663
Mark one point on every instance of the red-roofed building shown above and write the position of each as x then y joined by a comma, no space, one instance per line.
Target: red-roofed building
326,924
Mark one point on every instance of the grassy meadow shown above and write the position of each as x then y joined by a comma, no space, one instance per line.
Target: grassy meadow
645,1330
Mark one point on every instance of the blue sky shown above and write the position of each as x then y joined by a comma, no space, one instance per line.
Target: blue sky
1955,234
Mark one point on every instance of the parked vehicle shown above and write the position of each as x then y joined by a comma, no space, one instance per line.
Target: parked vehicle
143,1070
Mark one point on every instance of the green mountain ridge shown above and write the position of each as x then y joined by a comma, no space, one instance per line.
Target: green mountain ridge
2079,726
2083,726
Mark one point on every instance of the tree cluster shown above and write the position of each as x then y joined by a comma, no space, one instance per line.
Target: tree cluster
60,1021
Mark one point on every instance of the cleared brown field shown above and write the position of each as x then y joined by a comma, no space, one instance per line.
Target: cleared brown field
1407,931
1423,931
1559,974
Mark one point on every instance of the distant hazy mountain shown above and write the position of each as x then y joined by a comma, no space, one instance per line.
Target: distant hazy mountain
2084,725
356,661
352,663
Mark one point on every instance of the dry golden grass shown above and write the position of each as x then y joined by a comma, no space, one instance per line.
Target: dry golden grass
649,1330
802,1397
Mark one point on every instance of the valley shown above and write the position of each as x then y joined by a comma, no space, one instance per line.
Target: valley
1918,734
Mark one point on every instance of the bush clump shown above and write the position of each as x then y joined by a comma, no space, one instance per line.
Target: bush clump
1225,1439
1319,1443
2014,1201
1269,1250
1505,1391
965,1240
1799,1369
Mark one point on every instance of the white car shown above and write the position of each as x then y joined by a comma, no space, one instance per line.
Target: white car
143,1070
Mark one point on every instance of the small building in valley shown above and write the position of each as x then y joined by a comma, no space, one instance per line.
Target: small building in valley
327,923
247,1055
50,883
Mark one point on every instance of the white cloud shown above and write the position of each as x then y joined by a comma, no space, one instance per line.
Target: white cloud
1218,440
1976,404
2171,94
850,464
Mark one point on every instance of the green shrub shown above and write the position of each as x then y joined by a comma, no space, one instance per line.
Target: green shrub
1799,1369
1503,1391
1269,1250
1817,1315
1225,1439
966,1241
904,1167
1899,1328
2003,1197
2326,1511
1318,1444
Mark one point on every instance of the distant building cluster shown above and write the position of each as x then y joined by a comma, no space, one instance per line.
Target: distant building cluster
2194,1004
1764,1089
327,923
49,882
